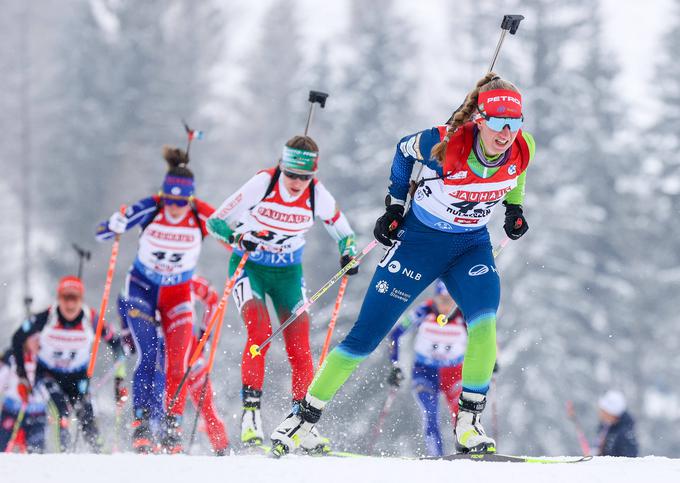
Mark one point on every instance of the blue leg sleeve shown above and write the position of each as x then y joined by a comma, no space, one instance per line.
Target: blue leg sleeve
158,408
473,282
140,312
426,393
475,286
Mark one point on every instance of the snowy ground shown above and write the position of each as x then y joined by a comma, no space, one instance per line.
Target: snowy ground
125,468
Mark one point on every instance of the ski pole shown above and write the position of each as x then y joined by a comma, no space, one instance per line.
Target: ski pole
314,97
106,377
499,248
15,428
74,445
104,303
510,24
387,406
334,317
256,350
120,403
53,413
83,256
494,410
582,440
228,287
191,135
219,313
28,300
211,361
199,408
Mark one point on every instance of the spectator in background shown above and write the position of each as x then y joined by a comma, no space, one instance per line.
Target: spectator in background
617,428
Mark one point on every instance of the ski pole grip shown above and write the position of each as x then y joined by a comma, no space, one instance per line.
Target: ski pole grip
319,97
511,23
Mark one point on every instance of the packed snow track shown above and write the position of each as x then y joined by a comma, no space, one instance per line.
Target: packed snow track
128,468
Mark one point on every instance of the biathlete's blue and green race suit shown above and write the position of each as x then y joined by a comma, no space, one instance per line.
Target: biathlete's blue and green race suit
443,236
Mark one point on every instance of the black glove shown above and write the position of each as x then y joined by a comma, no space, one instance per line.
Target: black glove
344,260
515,224
386,226
496,368
395,377
243,242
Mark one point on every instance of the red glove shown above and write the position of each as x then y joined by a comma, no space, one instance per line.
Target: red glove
24,389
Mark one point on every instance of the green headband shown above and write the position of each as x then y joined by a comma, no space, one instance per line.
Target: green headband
299,159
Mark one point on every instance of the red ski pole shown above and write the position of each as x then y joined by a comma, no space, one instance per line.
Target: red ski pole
582,440
218,315
105,302
334,318
204,387
377,429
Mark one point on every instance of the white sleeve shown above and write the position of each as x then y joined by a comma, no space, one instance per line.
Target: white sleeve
243,199
326,208
4,377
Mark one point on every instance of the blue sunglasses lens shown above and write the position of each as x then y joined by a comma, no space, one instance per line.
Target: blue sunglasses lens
498,123
180,203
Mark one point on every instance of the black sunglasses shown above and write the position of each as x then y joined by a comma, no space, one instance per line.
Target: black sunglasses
301,177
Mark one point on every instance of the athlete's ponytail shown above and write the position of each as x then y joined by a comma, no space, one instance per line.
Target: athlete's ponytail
177,160
465,112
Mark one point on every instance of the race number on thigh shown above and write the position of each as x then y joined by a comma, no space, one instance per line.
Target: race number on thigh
242,292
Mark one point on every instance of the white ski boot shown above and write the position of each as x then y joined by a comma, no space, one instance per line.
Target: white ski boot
298,427
468,432
251,422
315,444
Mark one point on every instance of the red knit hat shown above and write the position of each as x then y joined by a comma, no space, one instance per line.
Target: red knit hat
70,284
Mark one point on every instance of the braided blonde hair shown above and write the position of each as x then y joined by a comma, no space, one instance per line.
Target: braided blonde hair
464,113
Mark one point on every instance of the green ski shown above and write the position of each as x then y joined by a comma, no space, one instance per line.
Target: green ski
502,458
335,454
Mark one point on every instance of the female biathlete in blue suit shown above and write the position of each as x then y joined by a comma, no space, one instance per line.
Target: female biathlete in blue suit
470,165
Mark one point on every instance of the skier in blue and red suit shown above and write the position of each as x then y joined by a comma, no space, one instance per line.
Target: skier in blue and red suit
207,295
439,347
172,230
471,165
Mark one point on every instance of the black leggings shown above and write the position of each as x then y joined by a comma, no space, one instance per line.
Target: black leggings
70,393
